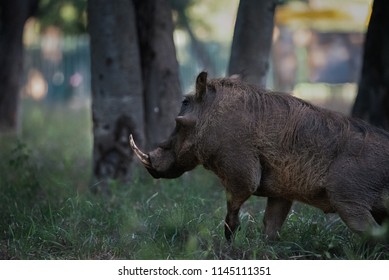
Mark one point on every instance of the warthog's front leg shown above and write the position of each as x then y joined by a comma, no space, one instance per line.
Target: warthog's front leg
240,180
234,202
275,214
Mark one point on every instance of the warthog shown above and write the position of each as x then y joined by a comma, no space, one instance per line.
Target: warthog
280,147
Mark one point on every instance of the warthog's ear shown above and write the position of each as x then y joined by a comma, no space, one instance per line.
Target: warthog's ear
185,121
201,85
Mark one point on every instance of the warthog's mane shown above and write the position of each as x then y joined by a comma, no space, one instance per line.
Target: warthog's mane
269,104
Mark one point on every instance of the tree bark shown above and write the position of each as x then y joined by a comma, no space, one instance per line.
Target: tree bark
160,72
13,15
117,100
252,40
372,101
135,84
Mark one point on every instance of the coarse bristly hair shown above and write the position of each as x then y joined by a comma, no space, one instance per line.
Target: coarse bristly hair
278,146
265,104
290,135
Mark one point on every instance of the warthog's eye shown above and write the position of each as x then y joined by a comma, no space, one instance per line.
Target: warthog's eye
185,102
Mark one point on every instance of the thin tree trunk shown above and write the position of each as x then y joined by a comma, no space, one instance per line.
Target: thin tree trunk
199,48
13,15
372,102
162,93
252,40
117,105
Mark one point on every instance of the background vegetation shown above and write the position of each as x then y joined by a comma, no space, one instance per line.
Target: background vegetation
48,212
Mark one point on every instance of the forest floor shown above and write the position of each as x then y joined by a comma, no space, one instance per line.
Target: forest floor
47,210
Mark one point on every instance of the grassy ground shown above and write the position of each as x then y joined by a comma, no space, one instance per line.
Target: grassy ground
48,212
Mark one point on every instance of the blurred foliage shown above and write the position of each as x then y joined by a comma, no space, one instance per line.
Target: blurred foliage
210,20
206,17
182,12
67,15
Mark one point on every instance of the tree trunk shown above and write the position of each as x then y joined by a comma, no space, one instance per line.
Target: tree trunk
13,15
372,102
162,93
117,105
198,47
252,40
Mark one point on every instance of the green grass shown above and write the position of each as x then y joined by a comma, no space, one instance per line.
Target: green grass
48,212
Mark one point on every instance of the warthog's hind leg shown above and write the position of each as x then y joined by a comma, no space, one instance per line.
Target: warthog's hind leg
358,219
275,214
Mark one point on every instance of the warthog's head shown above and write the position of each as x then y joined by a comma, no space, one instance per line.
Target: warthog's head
178,154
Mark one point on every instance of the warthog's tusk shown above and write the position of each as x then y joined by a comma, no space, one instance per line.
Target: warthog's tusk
144,158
